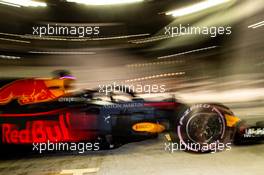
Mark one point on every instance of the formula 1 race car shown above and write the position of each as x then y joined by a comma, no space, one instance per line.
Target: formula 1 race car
37,110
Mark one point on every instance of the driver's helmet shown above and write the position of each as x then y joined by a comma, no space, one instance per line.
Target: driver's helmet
66,76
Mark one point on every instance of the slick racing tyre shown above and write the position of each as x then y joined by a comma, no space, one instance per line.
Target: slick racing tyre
202,128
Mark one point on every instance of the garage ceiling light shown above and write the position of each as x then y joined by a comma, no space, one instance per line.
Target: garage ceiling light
25,3
104,2
196,7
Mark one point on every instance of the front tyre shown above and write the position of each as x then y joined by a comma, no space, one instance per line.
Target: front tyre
202,128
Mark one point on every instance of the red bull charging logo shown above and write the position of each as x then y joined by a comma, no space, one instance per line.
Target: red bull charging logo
41,131
28,91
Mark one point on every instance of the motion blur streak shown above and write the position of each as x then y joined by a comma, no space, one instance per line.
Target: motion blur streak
104,2
235,13
133,49
196,7
187,52
26,3
256,24
14,40
259,24
63,53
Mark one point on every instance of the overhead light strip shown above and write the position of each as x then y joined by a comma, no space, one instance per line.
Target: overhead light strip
196,7
10,4
104,2
24,3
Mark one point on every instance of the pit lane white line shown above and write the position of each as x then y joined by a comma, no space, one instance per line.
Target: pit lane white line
80,171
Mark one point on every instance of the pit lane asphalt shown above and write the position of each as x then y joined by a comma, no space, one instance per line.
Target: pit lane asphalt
147,157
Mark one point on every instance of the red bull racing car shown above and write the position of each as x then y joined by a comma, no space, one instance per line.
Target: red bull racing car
38,110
